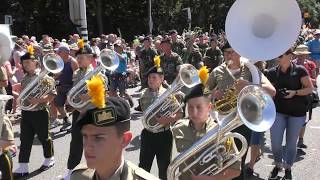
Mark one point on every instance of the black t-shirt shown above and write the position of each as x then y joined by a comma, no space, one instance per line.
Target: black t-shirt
291,80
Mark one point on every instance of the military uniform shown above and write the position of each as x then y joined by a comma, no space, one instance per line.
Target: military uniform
76,144
169,65
202,47
212,58
186,135
3,77
5,157
126,171
221,78
194,57
34,122
116,112
146,62
177,47
155,144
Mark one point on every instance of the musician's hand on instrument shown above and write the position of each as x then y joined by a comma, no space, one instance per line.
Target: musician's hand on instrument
203,178
240,84
217,94
290,93
33,100
163,120
84,97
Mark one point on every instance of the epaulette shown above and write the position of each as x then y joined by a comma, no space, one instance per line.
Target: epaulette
82,172
141,173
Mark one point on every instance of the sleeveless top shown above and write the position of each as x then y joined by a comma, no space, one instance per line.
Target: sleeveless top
65,78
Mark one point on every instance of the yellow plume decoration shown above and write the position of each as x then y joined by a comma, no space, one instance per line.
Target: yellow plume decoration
203,74
157,61
81,43
30,50
96,91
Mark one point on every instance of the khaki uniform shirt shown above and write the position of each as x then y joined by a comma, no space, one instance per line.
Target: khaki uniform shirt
6,131
185,134
169,66
221,78
27,79
80,73
127,171
149,97
3,78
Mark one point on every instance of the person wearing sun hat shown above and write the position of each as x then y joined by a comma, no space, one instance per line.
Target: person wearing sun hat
159,143
35,121
189,130
302,54
105,128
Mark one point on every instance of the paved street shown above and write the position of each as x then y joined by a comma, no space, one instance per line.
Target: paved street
306,167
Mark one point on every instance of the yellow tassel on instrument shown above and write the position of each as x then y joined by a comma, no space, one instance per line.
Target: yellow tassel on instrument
203,74
157,61
81,43
96,91
30,50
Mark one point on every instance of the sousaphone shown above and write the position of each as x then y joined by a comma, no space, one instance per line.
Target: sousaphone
5,43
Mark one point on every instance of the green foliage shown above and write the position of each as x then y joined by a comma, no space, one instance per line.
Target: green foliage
51,17
313,8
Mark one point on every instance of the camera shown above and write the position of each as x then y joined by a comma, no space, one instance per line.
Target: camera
282,92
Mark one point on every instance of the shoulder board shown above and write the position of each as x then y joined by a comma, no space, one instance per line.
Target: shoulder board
141,173
82,172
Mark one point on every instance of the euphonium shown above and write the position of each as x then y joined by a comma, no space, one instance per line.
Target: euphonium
43,84
216,151
228,102
164,105
108,60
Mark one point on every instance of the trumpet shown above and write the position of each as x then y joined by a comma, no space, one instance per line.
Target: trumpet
43,84
165,106
108,60
216,151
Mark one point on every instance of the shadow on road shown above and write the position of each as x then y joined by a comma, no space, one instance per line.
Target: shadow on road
134,144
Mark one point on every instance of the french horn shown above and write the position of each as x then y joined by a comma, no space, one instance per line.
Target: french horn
109,60
43,84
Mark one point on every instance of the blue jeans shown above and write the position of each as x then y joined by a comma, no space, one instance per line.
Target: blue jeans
292,125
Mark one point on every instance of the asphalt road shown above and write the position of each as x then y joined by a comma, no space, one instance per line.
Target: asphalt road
307,167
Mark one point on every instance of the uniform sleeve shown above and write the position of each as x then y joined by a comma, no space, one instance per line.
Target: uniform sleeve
3,74
7,131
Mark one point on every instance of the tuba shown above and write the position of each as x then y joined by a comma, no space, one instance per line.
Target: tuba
108,60
164,106
262,33
5,43
43,84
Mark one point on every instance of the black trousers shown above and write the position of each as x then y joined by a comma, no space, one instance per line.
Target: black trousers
34,122
76,144
159,145
246,132
6,166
